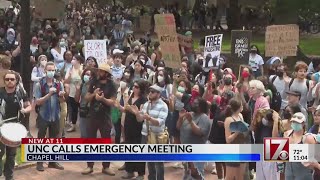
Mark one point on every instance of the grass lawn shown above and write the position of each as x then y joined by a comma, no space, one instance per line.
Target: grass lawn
18,156
310,45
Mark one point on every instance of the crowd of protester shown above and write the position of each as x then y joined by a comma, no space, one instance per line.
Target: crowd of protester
135,94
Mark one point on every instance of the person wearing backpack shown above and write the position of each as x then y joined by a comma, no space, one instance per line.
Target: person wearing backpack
279,81
273,96
300,83
47,96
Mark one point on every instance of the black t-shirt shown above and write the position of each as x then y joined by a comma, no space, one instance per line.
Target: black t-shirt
131,125
12,102
99,110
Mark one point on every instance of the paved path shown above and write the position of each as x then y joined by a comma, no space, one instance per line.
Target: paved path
73,170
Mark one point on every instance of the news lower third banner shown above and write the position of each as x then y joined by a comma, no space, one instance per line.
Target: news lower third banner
77,149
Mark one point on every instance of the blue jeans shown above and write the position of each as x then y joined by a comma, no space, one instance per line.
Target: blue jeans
198,165
83,126
156,169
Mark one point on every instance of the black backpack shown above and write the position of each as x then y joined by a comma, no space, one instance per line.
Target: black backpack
276,100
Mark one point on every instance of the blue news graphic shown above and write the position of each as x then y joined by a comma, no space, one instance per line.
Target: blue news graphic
146,157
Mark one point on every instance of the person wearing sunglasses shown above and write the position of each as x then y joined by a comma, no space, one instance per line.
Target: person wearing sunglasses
154,114
296,170
10,99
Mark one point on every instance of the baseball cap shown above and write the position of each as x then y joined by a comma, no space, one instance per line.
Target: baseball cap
295,93
298,117
156,87
117,51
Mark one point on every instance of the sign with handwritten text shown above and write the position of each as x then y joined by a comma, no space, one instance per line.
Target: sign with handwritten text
96,49
282,40
165,27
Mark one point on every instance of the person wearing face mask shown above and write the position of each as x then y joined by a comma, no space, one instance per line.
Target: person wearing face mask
57,52
256,62
194,128
296,136
245,77
266,124
47,96
73,79
81,91
10,39
226,84
38,71
278,80
117,67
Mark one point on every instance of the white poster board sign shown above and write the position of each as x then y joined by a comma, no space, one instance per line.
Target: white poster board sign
212,50
96,49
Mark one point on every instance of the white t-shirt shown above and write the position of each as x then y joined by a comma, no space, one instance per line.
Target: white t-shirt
280,85
58,57
255,61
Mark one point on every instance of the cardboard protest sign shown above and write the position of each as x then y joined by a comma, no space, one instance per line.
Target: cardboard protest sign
145,23
96,49
240,44
184,41
212,50
49,9
282,40
5,4
165,27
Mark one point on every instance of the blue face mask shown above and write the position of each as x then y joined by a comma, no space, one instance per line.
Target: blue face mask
50,74
86,78
296,126
318,138
317,76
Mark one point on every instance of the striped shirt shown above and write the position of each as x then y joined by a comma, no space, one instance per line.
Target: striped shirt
158,111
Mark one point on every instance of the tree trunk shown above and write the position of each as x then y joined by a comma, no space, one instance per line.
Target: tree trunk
25,22
233,15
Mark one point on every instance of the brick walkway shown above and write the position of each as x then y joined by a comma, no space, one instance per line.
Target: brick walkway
73,170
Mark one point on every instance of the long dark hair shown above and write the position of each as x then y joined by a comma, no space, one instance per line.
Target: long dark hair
165,75
142,69
258,51
143,87
233,106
